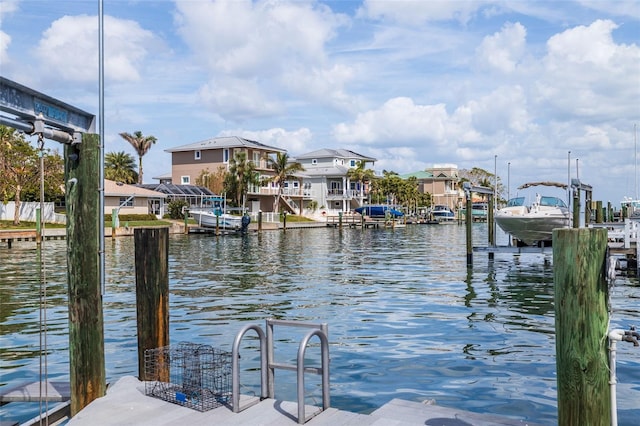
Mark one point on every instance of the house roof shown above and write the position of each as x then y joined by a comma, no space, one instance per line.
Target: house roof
334,153
182,190
225,142
166,175
418,175
326,171
118,189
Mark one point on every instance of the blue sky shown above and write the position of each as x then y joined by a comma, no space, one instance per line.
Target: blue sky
516,84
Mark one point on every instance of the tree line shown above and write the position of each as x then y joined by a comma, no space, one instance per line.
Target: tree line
20,174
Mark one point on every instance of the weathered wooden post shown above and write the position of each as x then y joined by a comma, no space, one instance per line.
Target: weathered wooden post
581,325
260,221
576,208
340,220
86,330
284,221
492,227
114,222
469,219
588,206
38,226
599,212
152,291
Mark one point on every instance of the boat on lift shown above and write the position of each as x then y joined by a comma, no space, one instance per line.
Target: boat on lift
532,222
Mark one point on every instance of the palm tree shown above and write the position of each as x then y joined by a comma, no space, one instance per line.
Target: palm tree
284,170
361,175
142,145
242,174
120,167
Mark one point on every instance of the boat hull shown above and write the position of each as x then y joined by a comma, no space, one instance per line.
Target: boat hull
379,211
208,219
532,229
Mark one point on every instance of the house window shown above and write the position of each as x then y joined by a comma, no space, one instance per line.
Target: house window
197,155
256,158
225,155
352,163
126,201
186,180
314,161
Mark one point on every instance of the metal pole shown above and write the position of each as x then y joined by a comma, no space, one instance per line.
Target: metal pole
495,195
101,146
569,181
508,180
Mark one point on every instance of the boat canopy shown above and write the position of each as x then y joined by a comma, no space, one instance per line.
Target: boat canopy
530,184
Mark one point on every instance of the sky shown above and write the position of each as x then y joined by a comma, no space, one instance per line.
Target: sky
533,90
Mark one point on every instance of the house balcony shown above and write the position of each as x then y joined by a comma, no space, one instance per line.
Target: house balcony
286,192
349,194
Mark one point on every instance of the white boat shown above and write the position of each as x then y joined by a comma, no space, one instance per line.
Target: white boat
209,219
216,215
533,223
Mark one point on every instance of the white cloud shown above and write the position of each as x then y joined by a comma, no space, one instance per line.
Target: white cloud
399,119
411,12
586,74
8,7
277,47
295,142
504,49
69,48
237,100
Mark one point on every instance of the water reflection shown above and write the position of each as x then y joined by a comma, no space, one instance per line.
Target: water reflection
407,318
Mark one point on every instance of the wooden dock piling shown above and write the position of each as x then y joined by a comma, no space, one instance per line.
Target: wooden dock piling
581,324
86,330
152,291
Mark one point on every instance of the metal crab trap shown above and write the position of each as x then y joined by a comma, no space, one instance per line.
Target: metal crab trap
189,374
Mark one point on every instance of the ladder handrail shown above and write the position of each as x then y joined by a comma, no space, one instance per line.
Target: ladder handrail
270,355
268,365
324,348
235,367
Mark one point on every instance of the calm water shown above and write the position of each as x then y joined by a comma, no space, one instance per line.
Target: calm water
406,318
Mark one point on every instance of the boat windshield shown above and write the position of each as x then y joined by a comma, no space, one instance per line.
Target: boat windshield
552,202
516,202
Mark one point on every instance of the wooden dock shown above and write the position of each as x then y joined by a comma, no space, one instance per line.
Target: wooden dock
126,404
11,236
357,221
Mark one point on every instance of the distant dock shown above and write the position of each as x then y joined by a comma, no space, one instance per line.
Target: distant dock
11,236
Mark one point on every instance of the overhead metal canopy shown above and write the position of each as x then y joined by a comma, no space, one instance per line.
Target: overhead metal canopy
29,105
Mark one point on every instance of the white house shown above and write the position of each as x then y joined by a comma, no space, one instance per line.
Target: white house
327,182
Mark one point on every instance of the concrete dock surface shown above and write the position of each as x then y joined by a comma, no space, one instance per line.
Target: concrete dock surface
127,404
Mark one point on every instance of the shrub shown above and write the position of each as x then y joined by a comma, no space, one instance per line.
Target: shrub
176,208
131,217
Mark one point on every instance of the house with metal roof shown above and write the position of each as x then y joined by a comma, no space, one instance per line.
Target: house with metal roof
189,161
442,182
326,179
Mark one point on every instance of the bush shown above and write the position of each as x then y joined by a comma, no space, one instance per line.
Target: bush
131,217
176,208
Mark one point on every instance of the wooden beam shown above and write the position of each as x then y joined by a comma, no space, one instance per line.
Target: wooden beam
86,331
581,324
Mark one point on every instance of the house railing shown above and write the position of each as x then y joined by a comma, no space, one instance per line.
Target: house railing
291,192
349,193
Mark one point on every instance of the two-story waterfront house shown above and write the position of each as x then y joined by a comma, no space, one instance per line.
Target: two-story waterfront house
327,182
189,161
442,182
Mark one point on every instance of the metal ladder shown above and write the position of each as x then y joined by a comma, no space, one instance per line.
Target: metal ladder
268,364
